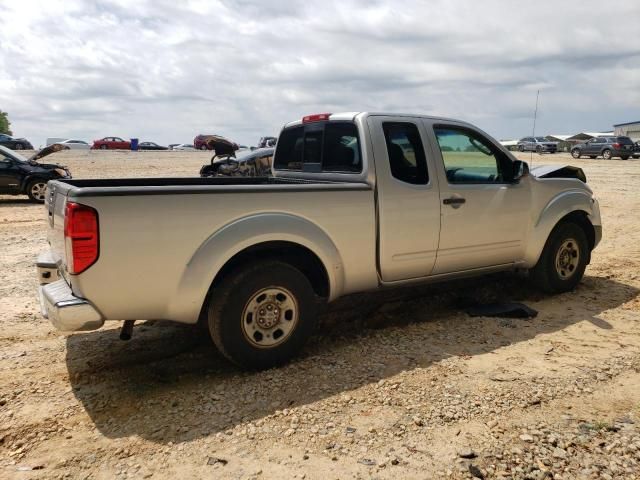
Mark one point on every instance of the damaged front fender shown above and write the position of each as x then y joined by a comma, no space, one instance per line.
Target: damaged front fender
555,171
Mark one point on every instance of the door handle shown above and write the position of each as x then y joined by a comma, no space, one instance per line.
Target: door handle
454,201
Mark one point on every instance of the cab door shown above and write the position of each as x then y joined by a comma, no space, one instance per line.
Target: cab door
485,216
408,201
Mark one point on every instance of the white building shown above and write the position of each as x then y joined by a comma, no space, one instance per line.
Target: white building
630,129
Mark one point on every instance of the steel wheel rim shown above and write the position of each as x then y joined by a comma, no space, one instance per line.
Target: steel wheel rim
270,317
606,155
575,154
567,259
38,191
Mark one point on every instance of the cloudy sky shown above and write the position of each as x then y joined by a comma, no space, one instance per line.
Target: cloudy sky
167,70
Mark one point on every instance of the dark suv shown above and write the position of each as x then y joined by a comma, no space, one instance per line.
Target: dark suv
19,176
537,144
605,147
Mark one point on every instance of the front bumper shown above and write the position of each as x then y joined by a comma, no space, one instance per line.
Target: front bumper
58,303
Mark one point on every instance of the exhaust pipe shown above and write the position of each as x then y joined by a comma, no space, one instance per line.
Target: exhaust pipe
127,330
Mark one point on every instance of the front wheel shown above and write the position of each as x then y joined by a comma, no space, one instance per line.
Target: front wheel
261,315
606,154
575,153
37,190
521,148
563,260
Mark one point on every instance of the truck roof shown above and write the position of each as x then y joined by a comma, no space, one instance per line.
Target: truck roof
352,115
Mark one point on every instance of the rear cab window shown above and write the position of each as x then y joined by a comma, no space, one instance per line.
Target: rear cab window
330,146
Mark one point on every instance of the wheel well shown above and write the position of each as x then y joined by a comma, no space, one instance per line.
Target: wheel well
292,253
581,219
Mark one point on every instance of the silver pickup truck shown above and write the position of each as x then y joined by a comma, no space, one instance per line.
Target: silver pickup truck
358,201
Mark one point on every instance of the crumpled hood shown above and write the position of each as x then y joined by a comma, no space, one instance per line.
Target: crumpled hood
558,171
48,150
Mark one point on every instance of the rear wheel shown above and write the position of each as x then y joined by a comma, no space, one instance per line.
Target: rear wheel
521,148
261,315
36,190
563,261
606,154
539,149
103,147
575,153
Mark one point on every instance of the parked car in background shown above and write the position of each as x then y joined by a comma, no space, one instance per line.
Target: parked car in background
151,146
605,147
75,144
184,147
537,144
210,142
636,150
171,145
267,142
15,143
22,176
111,143
251,163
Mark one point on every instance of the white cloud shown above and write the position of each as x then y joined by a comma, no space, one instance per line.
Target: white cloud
166,71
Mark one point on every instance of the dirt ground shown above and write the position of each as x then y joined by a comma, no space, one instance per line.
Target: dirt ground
400,384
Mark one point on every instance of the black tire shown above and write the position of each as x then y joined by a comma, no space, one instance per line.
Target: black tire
230,316
606,154
36,189
539,150
575,153
103,147
625,157
550,276
521,148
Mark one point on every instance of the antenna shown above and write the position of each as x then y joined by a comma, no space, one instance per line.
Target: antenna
533,133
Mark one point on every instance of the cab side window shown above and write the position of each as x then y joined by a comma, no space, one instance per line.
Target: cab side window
468,158
406,153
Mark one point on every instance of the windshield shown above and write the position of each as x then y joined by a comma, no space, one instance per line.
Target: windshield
7,153
541,139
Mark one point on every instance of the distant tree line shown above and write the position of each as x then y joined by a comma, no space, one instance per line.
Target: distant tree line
5,124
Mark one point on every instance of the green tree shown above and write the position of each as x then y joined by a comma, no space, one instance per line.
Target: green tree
5,124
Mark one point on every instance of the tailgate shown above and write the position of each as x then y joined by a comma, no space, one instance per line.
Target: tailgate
55,204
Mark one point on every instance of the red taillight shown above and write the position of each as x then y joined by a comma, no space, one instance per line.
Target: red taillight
617,146
81,237
318,117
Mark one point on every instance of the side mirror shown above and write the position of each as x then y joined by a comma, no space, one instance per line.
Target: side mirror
520,170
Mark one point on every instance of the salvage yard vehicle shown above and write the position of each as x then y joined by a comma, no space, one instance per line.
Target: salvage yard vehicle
14,143
22,176
111,143
605,147
358,202
253,163
537,144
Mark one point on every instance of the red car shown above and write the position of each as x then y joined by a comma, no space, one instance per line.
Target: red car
111,143
210,142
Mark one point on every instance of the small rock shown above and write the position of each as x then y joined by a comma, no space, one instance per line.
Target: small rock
367,461
525,437
476,472
214,461
466,452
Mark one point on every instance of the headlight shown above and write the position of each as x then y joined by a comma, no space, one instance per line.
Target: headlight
61,172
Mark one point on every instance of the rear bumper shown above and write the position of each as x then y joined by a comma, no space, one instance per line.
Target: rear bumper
58,303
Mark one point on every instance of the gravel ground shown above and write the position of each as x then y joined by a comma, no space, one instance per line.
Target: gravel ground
400,384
